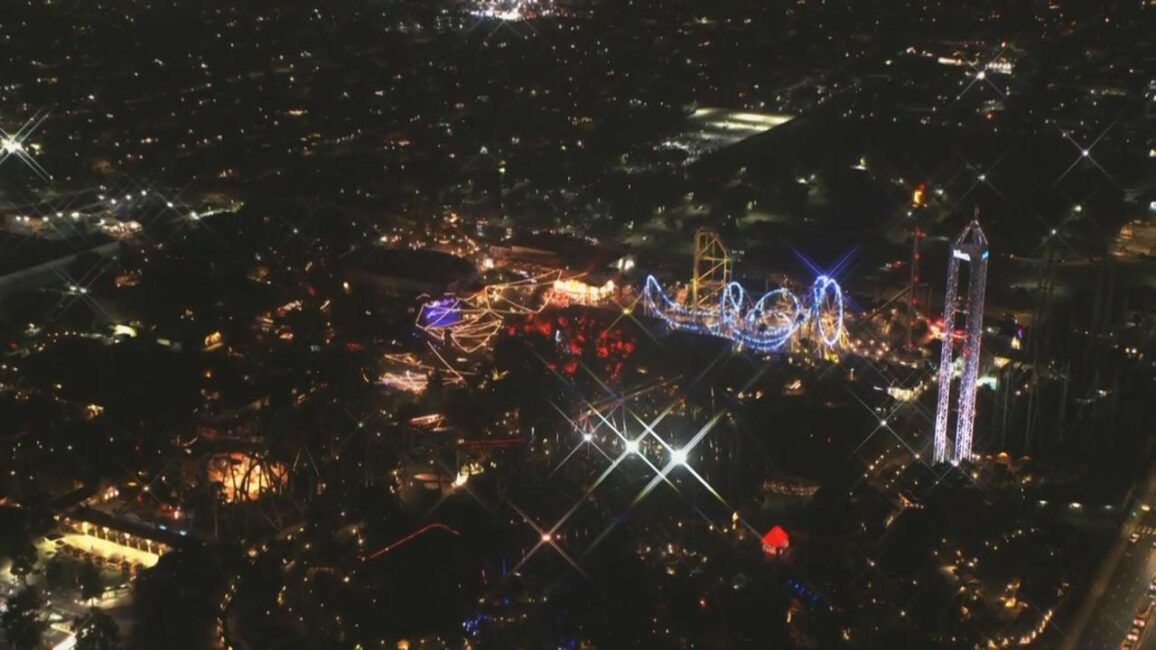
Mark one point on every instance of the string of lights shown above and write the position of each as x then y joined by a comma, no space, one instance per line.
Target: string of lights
471,323
764,325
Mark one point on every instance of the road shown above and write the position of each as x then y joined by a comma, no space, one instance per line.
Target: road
1125,594
1121,586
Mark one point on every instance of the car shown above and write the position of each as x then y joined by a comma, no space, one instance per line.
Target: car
1145,610
1133,635
1127,645
1135,537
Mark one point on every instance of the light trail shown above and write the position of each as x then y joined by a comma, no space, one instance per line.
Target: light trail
409,538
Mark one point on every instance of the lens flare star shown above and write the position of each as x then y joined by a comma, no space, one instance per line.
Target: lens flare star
17,145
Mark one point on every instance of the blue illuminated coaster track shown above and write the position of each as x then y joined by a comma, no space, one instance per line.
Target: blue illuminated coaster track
764,325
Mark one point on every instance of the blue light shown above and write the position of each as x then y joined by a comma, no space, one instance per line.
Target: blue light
440,313
764,326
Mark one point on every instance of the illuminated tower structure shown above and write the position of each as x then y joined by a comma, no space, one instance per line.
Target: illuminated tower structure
970,247
712,270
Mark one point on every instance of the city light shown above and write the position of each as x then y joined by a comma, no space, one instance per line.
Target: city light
513,10
16,145
492,323
11,146
582,293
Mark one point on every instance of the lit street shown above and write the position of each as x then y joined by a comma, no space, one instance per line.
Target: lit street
1122,584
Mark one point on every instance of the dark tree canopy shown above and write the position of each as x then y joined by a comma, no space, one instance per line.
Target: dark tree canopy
23,626
96,630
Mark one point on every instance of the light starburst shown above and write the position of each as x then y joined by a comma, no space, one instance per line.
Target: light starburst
17,145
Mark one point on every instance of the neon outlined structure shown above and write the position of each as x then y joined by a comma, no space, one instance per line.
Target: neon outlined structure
764,325
721,307
471,323
971,247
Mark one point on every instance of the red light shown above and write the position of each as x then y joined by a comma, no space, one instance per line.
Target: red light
776,541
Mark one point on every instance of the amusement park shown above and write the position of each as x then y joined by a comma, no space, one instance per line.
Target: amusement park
639,429
710,304
577,324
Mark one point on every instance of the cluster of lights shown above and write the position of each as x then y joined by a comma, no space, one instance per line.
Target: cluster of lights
407,373
405,381
513,10
631,447
579,292
470,324
16,145
764,325
1026,639
244,477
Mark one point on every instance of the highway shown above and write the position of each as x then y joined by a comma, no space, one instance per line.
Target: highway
1121,586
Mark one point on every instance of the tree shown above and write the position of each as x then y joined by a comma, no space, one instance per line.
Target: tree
90,586
54,573
96,631
22,624
23,561
176,601
14,535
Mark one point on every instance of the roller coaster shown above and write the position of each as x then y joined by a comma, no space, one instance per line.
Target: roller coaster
719,306
715,305
471,323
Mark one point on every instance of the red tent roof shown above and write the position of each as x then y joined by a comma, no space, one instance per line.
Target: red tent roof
776,538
